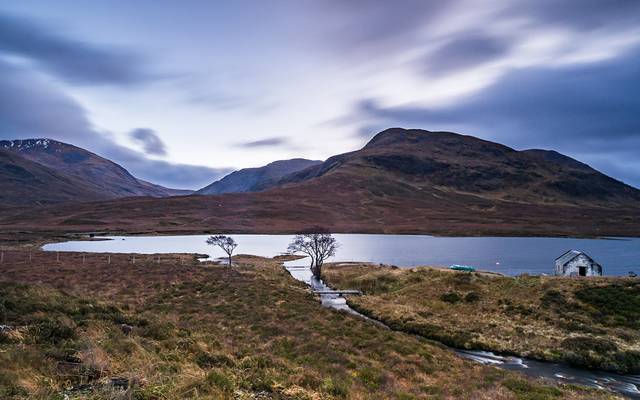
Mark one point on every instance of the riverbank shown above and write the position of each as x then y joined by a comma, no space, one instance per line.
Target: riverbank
591,323
102,326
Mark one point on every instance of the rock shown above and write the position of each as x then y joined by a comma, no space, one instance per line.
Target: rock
126,329
120,383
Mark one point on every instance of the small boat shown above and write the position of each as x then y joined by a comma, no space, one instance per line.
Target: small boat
466,268
632,274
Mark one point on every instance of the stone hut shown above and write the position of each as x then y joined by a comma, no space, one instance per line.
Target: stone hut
577,263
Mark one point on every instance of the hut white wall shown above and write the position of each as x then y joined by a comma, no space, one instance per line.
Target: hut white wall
572,268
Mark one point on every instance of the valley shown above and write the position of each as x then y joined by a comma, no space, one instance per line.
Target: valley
320,200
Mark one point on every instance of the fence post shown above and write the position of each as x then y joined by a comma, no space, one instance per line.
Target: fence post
133,260
109,259
57,256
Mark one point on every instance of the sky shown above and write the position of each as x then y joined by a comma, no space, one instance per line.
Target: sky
181,93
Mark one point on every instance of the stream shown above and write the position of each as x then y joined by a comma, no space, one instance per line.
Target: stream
626,385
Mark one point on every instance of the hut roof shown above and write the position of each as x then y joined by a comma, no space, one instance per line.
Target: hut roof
570,255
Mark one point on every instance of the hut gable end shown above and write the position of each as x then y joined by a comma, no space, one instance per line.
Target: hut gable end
577,263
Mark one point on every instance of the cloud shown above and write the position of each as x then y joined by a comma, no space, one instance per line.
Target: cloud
31,106
269,142
590,111
397,25
364,27
150,141
451,48
38,109
71,60
466,50
216,100
180,176
583,15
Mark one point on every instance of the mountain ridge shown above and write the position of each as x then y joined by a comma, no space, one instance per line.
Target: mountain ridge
94,177
469,165
255,179
407,181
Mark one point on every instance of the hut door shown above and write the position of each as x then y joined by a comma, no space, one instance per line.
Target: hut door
582,271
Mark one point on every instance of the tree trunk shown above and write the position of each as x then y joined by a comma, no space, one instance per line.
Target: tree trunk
229,259
316,270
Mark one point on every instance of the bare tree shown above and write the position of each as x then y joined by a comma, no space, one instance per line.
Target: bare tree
318,246
226,243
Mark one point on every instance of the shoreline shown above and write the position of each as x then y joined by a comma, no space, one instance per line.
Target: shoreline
33,238
504,256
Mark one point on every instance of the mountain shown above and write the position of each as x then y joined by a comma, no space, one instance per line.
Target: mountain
402,181
47,171
27,182
256,179
452,163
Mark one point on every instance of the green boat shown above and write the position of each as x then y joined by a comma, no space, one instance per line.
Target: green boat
466,268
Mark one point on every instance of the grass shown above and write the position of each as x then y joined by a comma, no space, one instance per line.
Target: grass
590,323
181,329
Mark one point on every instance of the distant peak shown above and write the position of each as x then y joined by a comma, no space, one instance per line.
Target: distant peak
401,135
292,161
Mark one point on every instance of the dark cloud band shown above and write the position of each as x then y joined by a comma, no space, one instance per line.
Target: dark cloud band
46,112
150,141
71,60
269,142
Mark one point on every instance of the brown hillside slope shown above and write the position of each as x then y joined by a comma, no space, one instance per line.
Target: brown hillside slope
454,163
403,181
90,172
25,182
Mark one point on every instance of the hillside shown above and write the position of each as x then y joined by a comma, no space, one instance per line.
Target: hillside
453,163
403,181
92,177
255,179
27,182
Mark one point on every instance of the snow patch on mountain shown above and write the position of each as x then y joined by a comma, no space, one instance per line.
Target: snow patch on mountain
25,144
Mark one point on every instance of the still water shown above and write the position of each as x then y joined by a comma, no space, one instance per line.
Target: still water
507,255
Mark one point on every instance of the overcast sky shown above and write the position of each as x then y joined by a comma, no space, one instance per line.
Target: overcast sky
179,92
